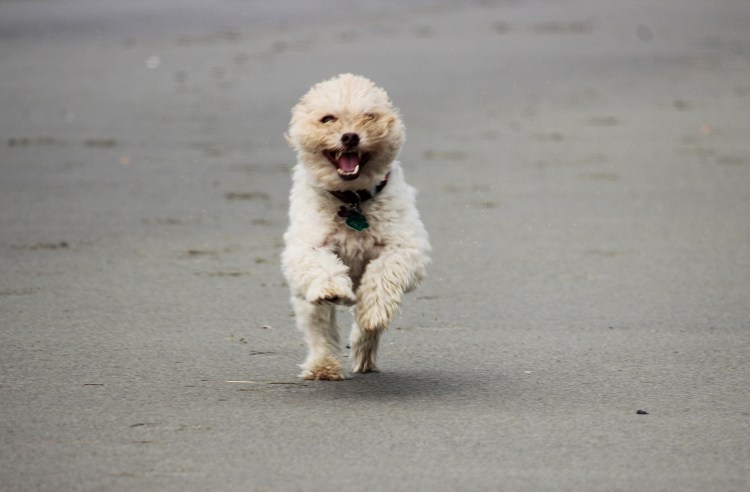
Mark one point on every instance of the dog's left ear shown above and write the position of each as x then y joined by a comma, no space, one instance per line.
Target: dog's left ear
394,122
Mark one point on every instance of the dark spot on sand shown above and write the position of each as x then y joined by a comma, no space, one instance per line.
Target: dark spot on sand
29,141
603,120
501,27
41,246
222,274
247,196
573,27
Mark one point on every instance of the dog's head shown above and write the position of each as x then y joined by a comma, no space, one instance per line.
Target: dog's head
346,132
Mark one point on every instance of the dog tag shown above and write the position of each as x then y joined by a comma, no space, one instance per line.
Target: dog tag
356,221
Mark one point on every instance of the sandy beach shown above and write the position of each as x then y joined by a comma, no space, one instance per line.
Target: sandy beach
583,170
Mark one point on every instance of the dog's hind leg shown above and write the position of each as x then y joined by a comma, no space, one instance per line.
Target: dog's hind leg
364,344
318,323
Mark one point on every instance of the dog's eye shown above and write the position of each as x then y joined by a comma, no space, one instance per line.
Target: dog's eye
327,118
370,116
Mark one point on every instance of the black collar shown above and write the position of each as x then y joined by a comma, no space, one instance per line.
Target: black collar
357,197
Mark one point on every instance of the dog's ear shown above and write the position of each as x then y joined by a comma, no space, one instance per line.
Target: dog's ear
393,121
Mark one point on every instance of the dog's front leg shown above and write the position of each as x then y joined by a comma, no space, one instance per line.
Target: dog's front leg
318,276
384,283
318,280
379,296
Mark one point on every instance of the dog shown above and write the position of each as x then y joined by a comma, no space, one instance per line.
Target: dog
355,237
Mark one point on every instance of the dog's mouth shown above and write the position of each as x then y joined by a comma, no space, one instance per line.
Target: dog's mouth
348,162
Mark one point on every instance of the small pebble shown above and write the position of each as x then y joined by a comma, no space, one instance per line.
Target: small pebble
641,412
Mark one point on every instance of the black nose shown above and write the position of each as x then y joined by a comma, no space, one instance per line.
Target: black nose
350,140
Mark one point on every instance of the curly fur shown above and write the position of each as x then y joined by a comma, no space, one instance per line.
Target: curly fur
325,262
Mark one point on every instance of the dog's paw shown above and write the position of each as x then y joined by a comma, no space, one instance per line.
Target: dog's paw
322,375
376,314
326,369
335,299
337,290
364,366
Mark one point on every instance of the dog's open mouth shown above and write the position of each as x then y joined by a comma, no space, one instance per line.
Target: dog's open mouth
348,163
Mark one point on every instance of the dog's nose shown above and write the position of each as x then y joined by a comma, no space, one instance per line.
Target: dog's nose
350,140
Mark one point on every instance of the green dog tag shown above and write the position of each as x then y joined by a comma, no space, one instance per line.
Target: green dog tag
357,221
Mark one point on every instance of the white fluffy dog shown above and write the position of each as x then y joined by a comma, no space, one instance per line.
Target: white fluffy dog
355,237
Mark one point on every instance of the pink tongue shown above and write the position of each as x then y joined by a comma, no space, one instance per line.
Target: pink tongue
348,162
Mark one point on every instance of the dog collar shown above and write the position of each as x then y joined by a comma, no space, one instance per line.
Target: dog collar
352,211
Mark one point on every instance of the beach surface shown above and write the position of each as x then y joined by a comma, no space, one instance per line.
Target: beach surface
583,170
